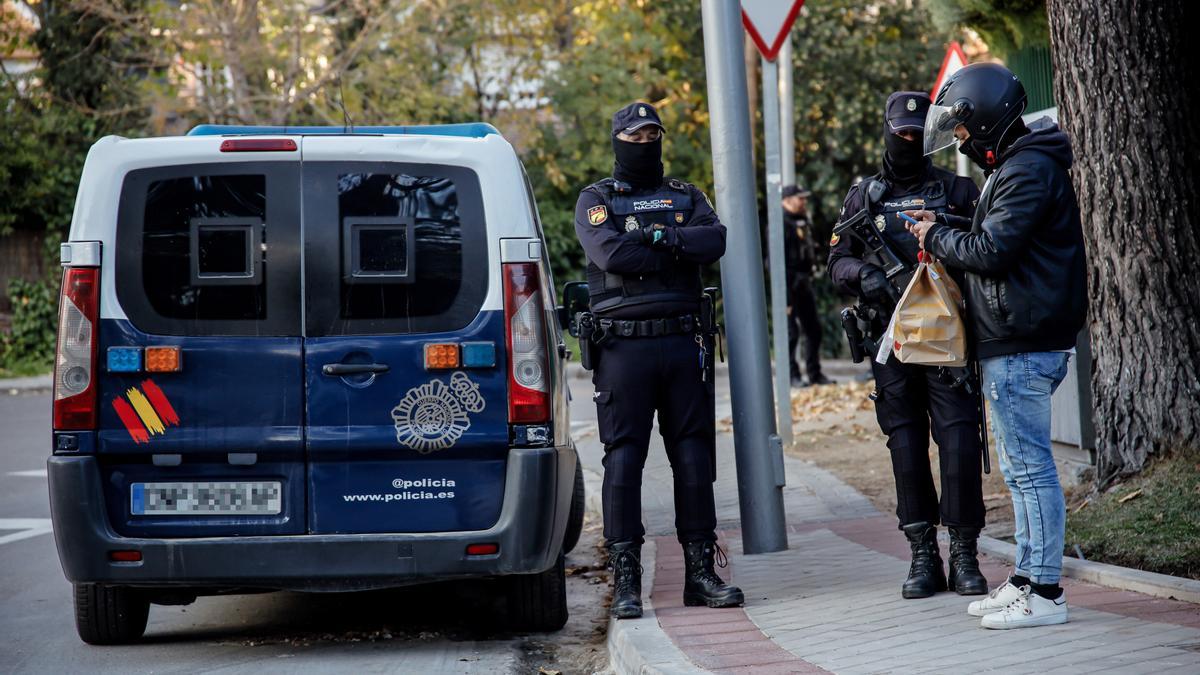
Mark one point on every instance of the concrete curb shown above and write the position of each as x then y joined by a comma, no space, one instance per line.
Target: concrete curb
1112,576
35,383
640,646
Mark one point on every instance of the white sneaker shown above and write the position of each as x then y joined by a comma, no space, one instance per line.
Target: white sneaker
997,600
1029,609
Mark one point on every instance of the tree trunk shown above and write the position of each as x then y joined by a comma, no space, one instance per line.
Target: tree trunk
1126,84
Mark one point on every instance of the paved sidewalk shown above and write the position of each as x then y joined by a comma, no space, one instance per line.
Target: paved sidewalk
831,602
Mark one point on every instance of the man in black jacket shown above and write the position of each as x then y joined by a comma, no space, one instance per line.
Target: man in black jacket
1027,298
913,400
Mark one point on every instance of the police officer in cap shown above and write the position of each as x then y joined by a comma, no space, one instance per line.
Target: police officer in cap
646,238
800,258
911,400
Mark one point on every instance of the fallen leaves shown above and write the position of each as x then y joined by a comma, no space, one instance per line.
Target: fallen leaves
811,403
1132,495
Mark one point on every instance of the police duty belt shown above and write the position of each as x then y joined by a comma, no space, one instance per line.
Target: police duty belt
633,328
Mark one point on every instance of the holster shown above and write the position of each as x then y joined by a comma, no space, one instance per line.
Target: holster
860,323
589,351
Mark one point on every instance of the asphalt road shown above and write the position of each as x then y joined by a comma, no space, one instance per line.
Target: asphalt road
448,628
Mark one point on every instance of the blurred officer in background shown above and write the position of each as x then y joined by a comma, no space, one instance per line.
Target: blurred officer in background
911,400
649,340
800,256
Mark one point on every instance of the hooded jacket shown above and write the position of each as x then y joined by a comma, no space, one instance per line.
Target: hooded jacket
1024,255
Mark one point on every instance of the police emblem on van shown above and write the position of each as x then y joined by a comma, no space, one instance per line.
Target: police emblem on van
434,415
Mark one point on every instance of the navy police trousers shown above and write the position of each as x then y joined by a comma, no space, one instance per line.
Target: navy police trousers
912,401
634,378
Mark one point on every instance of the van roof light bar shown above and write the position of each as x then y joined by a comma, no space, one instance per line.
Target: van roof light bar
470,130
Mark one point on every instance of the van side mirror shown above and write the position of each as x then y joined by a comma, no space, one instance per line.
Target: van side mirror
575,300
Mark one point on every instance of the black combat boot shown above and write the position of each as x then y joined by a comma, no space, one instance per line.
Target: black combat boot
965,577
702,586
925,575
625,559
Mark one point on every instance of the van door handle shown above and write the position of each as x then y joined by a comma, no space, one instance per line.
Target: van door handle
340,369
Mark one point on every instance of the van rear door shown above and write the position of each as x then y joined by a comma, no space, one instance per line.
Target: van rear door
407,418
200,372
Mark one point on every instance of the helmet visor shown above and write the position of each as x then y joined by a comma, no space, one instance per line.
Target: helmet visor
939,128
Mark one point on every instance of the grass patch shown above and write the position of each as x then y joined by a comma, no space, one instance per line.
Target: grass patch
1157,530
24,369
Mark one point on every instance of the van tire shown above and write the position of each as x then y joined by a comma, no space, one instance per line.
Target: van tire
538,602
110,615
575,516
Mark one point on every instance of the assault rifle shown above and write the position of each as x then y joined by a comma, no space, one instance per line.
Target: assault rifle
861,227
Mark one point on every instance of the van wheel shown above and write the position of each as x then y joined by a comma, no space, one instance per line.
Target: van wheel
538,602
575,517
110,615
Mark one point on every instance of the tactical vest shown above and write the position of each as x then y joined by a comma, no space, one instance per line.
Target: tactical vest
931,196
678,285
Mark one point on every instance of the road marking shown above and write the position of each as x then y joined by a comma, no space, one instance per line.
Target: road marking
26,528
32,473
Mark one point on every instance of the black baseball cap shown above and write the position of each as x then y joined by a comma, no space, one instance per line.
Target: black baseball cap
792,190
906,110
635,116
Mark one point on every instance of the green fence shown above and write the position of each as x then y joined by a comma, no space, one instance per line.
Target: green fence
1032,65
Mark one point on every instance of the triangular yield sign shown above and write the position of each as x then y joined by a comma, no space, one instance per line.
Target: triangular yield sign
768,22
954,62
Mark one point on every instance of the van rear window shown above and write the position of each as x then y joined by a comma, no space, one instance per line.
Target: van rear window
412,248
204,250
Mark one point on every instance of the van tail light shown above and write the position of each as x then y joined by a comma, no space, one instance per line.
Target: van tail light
75,359
524,316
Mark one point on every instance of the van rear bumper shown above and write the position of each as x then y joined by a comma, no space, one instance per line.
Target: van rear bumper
529,531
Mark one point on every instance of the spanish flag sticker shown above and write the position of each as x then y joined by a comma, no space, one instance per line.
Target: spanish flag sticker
597,214
833,241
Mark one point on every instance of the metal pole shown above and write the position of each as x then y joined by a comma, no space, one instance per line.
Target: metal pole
756,446
778,267
964,168
787,113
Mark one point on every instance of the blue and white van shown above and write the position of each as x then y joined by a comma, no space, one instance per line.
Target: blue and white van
308,359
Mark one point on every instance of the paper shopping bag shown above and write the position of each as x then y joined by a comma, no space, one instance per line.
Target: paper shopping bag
927,327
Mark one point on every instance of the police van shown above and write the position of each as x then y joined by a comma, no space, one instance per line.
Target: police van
313,359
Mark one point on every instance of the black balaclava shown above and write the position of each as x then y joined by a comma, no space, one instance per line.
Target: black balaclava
977,151
639,164
904,162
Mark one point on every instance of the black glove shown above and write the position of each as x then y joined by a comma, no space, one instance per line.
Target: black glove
657,237
874,286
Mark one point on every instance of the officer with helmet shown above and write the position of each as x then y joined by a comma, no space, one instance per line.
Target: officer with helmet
1026,289
649,340
913,400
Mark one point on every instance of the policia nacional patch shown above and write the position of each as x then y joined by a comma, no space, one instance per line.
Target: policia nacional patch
597,214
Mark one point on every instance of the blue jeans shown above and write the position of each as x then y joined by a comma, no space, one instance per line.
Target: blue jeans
1019,387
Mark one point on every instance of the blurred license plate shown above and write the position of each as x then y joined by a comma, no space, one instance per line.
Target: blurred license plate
224,498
